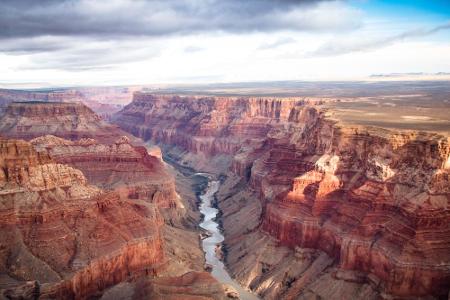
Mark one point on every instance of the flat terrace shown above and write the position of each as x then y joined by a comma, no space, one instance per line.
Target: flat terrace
417,112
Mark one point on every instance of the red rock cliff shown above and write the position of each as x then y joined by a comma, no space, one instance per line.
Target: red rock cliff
28,120
119,166
72,237
375,201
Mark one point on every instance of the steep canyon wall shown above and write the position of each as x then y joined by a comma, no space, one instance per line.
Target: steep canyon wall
371,205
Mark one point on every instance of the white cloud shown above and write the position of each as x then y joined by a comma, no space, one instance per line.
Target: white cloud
327,41
359,43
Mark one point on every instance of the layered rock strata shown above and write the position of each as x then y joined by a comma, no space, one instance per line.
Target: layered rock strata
84,217
7,96
103,101
73,121
359,210
119,166
71,237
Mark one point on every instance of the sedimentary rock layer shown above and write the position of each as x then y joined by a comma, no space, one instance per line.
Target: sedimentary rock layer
7,96
89,211
103,101
71,237
375,202
119,166
28,120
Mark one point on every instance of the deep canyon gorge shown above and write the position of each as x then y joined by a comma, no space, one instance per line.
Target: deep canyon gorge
224,149
311,205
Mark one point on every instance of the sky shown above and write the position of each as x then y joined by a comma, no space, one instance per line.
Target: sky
123,42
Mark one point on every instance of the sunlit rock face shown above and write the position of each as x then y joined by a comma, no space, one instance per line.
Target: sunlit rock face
71,237
73,121
118,166
381,208
372,204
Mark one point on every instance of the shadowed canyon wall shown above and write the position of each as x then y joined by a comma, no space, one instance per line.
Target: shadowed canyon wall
348,210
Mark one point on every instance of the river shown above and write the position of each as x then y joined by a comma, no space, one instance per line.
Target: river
209,244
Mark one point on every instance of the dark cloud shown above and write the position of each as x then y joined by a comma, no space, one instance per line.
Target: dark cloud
81,35
93,56
125,18
360,45
33,45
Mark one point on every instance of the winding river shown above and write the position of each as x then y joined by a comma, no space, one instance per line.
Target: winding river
209,244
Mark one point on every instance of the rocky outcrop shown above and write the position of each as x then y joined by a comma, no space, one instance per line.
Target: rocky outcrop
119,166
371,204
189,286
378,205
108,165
28,120
71,237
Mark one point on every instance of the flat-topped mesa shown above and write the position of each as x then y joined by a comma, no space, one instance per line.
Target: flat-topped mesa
376,201
52,96
282,109
27,120
50,109
8,96
71,237
103,101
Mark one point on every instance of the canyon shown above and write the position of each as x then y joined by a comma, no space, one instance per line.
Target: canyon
315,199
218,150
312,206
90,213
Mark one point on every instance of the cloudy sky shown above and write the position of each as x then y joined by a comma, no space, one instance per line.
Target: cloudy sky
84,42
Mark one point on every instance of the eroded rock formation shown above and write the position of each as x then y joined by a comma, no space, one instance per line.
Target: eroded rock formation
28,120
82,217
119,166
66,234
334,210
